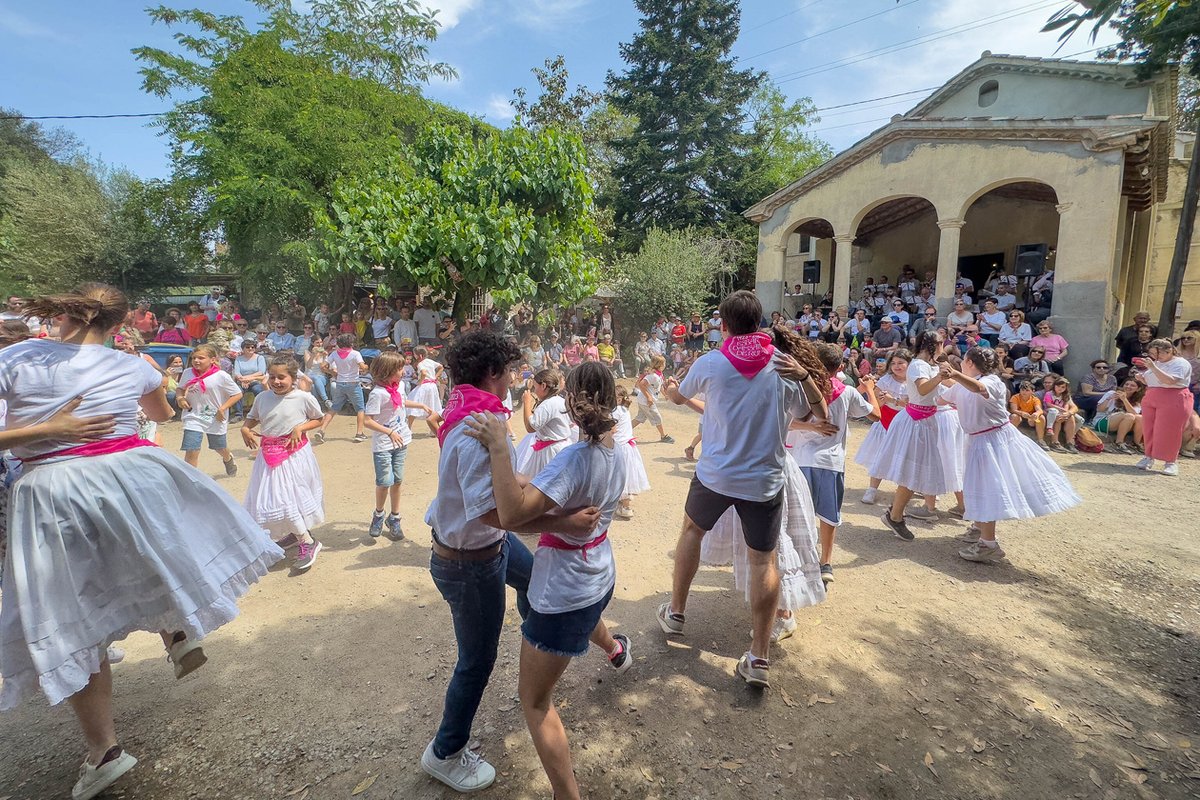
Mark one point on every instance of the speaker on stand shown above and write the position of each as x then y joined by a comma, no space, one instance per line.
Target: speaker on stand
1031,260
812,272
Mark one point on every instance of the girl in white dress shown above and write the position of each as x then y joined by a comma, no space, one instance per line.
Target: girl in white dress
1007,475
428,391
89,560
892,390
636,480
285,495
549,427
920,452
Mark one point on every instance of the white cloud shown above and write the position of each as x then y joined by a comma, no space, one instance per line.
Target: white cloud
23,28
449,12
547,15
499,109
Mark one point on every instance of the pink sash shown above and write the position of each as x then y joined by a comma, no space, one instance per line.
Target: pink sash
542,444
920,412
101,448
275,449
554,543
633,442
462,402
748,353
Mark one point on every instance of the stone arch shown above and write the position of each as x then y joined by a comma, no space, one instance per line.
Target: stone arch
1000,184
809,239
887,200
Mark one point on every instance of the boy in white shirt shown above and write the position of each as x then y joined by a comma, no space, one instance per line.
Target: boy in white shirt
749,403
820,450
345,365
205,395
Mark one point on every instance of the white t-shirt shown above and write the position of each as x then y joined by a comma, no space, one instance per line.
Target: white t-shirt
977,413
960,319
1005,301
427,369
427,323
347,369
279,414
380,328
623,432
1109,405
464,493
714,330
1178,368
550,420
919,369
211,306
39,376
895,388
812,449
202,416
991,323
404,329
654,382
379,408
566,580
745,426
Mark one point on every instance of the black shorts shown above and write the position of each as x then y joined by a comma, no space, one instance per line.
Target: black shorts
761,519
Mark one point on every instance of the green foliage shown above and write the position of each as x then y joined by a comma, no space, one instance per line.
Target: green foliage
509,213
145,247
685,162
674,272
783,149
1154,33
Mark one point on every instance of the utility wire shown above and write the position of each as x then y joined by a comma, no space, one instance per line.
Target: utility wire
782,16
831,30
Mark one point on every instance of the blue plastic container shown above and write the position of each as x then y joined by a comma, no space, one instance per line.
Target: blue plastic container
161,353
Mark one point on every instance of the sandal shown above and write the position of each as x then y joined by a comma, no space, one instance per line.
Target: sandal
689,453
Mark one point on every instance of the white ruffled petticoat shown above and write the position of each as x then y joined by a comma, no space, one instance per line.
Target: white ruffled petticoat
428,393
1009,477
636,479
869,449
103,546
529,462
924,455
289,498
797,557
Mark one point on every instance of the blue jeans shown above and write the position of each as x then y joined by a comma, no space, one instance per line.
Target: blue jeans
474,591
320,386
254,390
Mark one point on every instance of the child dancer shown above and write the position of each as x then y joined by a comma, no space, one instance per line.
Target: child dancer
819,448
80,573
636,480
549,428
285,495
473,557
345,365
1007,476
387,410
428,392
649,386
205,396
892,391
573,577
919,453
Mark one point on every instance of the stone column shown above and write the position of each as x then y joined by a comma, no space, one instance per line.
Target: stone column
1082,311
947,266
841,268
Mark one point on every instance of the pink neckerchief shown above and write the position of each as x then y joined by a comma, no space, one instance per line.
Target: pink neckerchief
393,390
464,401
199,379
343,352
749,353
277,449
838,388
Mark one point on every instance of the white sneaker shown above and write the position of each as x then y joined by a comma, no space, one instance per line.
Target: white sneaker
870,495
115,655
465,771
187,656
921,513
1146,462
1170,468
783,628
754,671
94,780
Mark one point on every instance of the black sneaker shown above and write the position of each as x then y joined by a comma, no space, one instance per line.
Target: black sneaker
231,467
898,528
827,575
624,659
667,439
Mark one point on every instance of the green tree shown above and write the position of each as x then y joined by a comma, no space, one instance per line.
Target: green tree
685,162
509,213
145,248
673,272
783,148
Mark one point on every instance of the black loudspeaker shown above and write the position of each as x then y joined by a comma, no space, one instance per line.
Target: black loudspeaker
812,271
1031,260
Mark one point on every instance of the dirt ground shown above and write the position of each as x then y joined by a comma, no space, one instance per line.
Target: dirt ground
1070,672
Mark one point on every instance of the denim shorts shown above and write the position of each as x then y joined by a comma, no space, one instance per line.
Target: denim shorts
341,393
565,634
192,440
389,466
828,489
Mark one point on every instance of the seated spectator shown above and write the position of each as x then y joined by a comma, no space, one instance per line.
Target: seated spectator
1004,364
1026,409
959,318
900,316
1095,385
1129,333
813,327
1033,366
991,320
1005,299
554,353
618,365
925,320
534,354
1054,345
857,328
1137,347
591,352
1062,415
1039,307
1016,334
831,331
280,340
249,370
642,353
606,351
1119,413
888,337
172,330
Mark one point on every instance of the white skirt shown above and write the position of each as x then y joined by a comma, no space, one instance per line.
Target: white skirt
636,479
869,449
529,462
428,393
799,563
1009,477
289,498
103,546
924,455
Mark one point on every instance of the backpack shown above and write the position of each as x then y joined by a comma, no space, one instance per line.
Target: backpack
1087,441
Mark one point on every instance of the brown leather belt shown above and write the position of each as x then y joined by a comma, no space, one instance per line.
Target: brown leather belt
451,554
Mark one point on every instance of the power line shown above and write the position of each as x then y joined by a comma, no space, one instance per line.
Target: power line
783,16
84,116
831,30
873,99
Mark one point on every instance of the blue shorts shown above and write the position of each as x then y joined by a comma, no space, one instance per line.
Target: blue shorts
389,466
192,440
827,488
565,634
342,393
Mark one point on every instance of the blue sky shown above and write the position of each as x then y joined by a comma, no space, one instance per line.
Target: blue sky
72,57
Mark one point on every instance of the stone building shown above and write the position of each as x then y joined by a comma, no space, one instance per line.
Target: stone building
1081,157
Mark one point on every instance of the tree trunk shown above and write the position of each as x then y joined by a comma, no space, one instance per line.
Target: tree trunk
463,296
343,294
1183,246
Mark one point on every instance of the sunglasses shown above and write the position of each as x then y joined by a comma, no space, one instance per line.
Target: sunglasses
1014,316
1101,369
